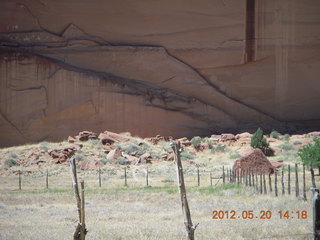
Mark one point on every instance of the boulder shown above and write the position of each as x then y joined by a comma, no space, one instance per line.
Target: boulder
145,158
62,154
109,138
158,138
114,154
86,135
243,135
314,134
71,139
255,161
90,165
228,137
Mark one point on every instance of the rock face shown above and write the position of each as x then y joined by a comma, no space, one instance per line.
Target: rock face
173,68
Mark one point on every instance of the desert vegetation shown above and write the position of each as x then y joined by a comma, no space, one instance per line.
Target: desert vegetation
138,211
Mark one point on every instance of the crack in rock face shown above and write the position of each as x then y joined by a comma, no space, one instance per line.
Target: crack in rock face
213,75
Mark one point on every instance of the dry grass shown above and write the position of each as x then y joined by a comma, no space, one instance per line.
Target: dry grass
139,212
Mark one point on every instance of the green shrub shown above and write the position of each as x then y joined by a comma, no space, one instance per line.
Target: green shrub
219,148
185,155
14,155
259,141
310,154
275,134
80,158
286,147
235,155
195,141
297,143
286,137
9,162
122,161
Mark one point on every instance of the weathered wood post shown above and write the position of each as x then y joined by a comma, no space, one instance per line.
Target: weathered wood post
275,182
81,230
282,181
257,184
264,184
19,173
249,175
190,228
253,182
312,177
238,175
47,179
147,177
304,183
125,177
297,180
316,213
198,173
289,180
246,176
260,181
223,176
211,179
270,182
99,177
230,176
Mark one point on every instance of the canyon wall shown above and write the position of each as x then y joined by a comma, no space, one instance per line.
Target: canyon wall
179,68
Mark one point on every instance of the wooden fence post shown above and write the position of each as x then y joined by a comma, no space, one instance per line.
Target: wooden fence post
249,175
47,179
211,179
264,184
316,213
270,182
223,176
304,183
147,177
252,175
275,183
297,180
246,176
99,177
238,175
19,173
190,228
260,181
289,180
198,172
257,186
81,230
282,182
125,177
312,177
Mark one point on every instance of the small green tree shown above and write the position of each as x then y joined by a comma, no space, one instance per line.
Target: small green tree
259,141
310,154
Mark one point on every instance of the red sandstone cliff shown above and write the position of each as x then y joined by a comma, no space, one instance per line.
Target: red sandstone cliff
157,67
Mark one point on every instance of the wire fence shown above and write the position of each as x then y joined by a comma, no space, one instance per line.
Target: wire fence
288,180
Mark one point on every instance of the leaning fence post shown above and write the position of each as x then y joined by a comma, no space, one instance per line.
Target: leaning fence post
289,180
297,180
316,213
190,228
81,231
304,183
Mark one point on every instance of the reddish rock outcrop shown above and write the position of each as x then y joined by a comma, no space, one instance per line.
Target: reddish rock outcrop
255,161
